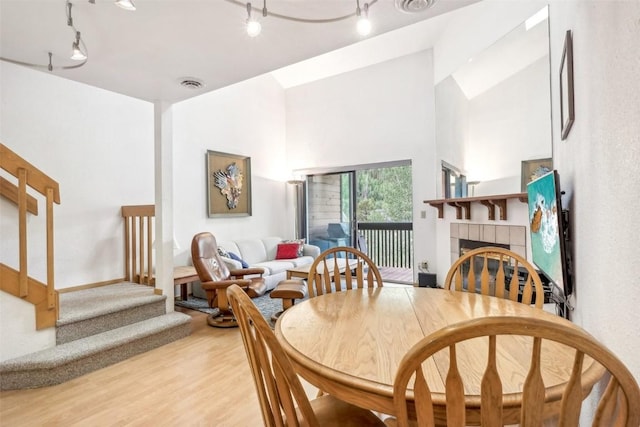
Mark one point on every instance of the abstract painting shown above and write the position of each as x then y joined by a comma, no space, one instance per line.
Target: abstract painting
228,184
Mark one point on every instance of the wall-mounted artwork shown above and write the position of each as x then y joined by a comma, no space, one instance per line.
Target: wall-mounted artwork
534,169
228,185
567,113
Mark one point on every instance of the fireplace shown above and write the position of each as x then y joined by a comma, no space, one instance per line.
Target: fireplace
493,262
466,245
465,237
512,237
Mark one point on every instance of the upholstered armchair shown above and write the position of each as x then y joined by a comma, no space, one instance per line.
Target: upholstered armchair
216,277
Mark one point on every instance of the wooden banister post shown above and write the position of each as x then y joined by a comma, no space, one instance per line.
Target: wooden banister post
127,249
22,227
134,251
51,290
149,250
141,248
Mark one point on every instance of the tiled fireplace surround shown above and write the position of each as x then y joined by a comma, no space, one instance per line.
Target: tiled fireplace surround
512,235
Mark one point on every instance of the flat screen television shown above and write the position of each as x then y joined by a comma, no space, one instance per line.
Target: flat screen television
549,231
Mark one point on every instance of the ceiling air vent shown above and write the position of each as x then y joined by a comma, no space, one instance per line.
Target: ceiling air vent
414,6
191,83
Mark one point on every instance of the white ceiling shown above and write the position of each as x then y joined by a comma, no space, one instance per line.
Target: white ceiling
146,53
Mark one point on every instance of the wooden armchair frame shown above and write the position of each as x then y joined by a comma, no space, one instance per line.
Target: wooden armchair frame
329,271
618,405
532,291
282,398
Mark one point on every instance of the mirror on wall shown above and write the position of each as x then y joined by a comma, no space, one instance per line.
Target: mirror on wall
495,111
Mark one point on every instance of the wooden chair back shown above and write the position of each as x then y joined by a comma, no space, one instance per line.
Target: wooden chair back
618,405
329,271
505,284
278,387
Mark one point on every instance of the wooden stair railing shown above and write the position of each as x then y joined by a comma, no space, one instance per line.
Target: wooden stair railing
18,282
138,237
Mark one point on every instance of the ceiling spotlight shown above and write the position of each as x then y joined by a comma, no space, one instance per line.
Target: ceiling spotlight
253,26
364,25
78,55
125,4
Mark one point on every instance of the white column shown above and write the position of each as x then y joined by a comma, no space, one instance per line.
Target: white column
163,137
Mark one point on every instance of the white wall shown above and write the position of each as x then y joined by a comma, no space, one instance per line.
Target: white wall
489,135
98,146
597,164
381,113
475,28
245,119
508,123
452,124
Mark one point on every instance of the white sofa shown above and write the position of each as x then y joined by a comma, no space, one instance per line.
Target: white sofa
262,253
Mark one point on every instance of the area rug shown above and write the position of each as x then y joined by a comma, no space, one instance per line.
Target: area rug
268,306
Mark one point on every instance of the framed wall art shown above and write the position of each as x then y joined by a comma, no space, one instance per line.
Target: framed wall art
228,185
567,113
534,169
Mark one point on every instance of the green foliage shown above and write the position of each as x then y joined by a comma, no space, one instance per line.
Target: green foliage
384,195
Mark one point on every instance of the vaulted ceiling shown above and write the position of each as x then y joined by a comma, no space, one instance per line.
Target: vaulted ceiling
147,53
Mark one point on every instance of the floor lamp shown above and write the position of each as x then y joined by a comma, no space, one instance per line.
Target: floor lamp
297,183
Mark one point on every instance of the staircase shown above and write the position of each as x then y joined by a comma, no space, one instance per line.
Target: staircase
97,327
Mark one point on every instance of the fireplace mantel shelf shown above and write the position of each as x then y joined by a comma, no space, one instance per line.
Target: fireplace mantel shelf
463,204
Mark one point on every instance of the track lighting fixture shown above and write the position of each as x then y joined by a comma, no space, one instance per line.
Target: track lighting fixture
364,25
253,27
125,4
80,52
77,54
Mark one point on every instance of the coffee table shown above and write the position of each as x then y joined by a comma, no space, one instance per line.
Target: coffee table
302,272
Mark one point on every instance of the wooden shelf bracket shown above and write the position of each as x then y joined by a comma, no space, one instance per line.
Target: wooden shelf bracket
463,205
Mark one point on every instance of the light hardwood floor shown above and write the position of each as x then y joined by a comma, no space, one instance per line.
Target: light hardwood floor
201,380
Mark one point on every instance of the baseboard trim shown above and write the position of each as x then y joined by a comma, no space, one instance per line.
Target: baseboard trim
90,286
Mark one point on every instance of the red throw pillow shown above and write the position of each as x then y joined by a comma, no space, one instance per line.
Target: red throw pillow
300,243
287,250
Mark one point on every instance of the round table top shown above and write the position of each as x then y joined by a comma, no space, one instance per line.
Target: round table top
350,343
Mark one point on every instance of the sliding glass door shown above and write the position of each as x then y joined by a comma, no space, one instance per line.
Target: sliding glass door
330,209
370,208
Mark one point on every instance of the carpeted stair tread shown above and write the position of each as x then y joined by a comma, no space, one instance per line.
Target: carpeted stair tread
89,303
78,349
68,361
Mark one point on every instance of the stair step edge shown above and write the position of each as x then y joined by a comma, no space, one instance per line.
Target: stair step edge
78,349
102,311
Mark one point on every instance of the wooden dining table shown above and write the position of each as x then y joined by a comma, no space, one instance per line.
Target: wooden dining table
350,344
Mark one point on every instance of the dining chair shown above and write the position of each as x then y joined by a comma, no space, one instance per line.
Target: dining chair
282,398
514,277
329,271
618,405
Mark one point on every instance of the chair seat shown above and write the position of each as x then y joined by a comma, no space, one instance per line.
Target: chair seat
290,289
331,411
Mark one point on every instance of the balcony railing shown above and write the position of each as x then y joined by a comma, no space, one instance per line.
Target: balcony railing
389,244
